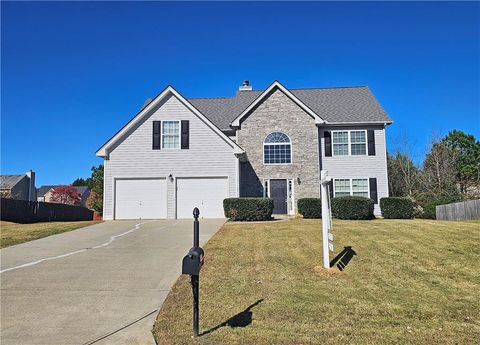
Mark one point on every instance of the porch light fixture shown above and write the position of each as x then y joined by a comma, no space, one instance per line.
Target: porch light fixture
170,177
298,180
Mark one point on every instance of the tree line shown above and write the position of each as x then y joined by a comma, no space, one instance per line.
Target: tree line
450,172
95,185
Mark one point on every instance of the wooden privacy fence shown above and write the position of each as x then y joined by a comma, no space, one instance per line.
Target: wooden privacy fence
21,211
463,210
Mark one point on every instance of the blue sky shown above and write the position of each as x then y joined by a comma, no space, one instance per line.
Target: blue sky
73,73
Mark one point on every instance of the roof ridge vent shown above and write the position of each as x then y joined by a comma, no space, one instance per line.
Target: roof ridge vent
245,86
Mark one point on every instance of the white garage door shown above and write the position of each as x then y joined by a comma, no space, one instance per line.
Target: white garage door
140,199
205,193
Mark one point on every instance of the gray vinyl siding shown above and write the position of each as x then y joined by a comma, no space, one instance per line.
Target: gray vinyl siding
359,166
133,156
20,190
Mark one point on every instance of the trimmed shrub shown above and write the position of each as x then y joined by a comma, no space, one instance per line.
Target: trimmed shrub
352,207
397,208
248,209
310,207
430,210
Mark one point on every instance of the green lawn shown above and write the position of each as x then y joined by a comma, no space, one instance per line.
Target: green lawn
411,282
14,233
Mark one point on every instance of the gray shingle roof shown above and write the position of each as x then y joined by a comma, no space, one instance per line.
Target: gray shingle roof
335,105
217,110
343,104
9,181
44,190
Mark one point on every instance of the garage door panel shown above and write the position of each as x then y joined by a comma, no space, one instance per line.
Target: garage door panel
140,199
205,193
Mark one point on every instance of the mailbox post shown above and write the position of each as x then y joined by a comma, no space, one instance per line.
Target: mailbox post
192,264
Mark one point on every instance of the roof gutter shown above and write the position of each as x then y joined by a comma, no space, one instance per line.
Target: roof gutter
384,123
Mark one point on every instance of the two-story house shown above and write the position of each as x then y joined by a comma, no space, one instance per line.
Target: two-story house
20,187
178,153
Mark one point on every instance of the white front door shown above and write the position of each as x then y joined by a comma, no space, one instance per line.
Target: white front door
205,193
140,198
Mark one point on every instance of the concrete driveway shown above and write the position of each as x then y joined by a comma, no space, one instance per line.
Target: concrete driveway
102,284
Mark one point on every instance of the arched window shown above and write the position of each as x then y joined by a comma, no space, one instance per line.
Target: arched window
277,149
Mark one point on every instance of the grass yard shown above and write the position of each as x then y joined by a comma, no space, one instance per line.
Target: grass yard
14,233
411,282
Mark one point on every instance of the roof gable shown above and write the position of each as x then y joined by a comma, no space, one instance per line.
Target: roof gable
44,190
10,181
276,85
335,105
145,111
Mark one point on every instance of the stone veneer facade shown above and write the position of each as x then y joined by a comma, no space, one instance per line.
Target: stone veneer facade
279,113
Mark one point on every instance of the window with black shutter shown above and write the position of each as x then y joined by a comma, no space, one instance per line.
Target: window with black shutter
327,136
330,189
373,189
157,129
185,132
371,142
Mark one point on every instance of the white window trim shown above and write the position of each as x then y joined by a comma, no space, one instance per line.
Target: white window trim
351,184
350,142
179,136
292,198
266,186
291,149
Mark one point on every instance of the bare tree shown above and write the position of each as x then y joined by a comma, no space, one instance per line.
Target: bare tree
403,175
440,170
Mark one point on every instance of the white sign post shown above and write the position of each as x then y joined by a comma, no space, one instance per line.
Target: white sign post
327,235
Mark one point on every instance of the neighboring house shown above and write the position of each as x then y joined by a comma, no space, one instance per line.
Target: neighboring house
178,153
21,187
44,193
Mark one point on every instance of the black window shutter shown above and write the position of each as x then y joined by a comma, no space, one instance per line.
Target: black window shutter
330,187
185,134
371,142
157,129
373,190
327,136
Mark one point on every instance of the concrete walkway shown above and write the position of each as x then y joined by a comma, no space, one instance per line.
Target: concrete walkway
102,284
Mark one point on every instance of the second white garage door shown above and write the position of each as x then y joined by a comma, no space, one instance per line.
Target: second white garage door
140,199
205,193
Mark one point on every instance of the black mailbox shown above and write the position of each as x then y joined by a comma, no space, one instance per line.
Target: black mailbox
192,264
193,261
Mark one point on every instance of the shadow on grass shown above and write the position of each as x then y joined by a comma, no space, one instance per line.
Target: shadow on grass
242,319
343,258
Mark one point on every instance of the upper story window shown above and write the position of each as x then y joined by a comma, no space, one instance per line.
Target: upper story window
170,134
358,142
349,143
340,143
277,149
